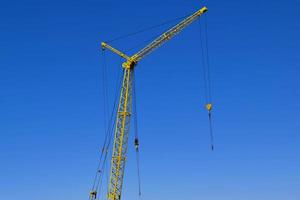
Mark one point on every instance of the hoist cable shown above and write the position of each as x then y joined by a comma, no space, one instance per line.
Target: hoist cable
212,142
136,139
108,132
203,65
99,183
207,79
138,172
93,192
145,29
134,107
207,60
209,84
104,93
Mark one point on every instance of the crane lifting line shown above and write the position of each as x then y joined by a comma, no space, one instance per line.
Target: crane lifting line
207,77
97,183
136,139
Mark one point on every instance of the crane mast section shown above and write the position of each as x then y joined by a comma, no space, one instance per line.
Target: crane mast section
167,35
121,137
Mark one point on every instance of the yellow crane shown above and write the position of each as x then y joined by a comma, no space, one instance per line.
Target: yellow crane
124,111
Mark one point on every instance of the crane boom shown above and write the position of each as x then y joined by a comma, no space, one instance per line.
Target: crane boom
121,133
168,35
158,41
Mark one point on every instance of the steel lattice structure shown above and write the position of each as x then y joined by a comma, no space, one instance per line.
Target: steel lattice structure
120,146
121,137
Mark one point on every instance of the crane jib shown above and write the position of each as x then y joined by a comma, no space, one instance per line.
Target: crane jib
132,60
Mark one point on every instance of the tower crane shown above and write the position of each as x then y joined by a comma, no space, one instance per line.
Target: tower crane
122,125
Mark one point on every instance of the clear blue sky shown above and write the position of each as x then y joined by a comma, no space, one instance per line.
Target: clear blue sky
51,122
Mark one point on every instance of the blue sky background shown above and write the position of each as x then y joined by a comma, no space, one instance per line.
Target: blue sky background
51,103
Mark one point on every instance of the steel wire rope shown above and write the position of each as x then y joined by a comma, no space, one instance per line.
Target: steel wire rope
136,140
108,131
203,65
142,43
104,90
209,81
207,78
145,29
148,40
208,59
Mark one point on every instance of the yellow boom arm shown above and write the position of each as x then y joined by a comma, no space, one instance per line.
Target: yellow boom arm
131,61
122,126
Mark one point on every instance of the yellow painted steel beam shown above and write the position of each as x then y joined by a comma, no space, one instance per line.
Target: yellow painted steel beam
121,137
160,40
133,60
107,46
